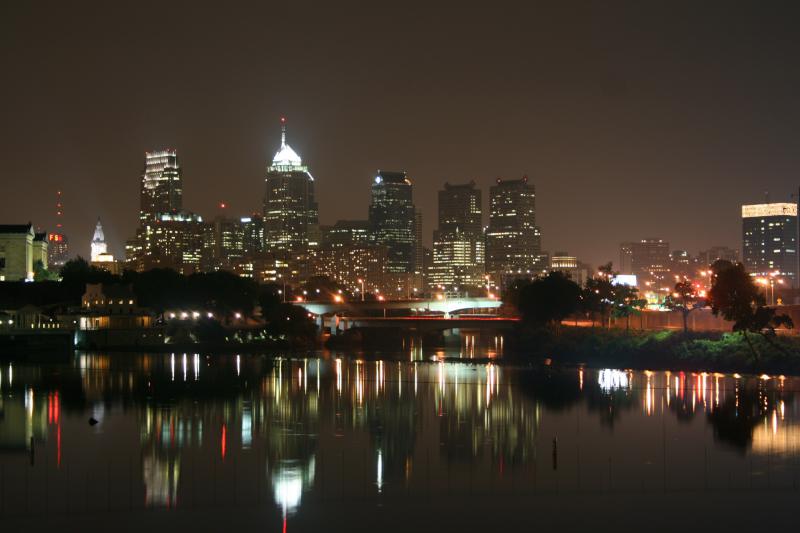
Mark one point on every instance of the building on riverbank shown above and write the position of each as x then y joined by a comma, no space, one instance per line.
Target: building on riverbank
18,251
111,307
769,241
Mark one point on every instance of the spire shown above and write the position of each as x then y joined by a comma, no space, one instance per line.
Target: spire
98,232
98,245
286,157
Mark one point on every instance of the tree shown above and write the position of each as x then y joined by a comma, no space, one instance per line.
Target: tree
547,301
684,299
626,302
735,297
291,323
40,273
321,287
598,294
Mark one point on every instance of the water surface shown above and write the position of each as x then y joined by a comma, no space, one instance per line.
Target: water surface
300,441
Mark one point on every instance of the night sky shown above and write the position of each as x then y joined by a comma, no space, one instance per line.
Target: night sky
633,119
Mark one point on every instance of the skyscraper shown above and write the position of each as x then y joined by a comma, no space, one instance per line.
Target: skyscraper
392,220
162,186
173,241
291,216
649,260
513,241
458,243
769,240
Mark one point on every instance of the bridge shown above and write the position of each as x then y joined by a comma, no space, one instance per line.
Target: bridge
446,306
419,324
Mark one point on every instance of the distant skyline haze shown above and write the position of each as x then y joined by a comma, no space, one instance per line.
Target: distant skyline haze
632,119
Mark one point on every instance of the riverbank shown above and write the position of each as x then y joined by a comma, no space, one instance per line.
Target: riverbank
656,350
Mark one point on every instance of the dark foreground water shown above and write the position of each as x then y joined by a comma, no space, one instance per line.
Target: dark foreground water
341,443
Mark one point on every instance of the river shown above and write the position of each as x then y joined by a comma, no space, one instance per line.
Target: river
415,440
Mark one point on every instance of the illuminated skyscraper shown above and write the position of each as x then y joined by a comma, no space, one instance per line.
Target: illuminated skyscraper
291,216
513,241
392,220
769,240
162,185
458,243
172,241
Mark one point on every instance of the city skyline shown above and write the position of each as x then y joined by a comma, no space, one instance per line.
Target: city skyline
708,118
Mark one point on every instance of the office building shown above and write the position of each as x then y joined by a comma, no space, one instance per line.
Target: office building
355,267
769,240
173,241
706,258
161,185
345,233
458,242
649,260
569,266
513,241
291,216
392,220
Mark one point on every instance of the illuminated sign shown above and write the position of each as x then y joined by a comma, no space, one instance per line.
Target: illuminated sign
769,210
624,279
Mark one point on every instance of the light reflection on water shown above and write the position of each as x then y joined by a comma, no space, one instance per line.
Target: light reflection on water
190,430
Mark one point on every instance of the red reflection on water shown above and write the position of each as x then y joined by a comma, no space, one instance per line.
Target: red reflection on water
223,443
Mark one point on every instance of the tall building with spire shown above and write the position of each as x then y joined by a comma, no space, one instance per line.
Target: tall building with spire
99,246
57,242
162,185
291,216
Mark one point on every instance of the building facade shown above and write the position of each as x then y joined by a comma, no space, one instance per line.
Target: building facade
16,252
769,240
458,243
161,185
392,220
291,216
706,258
569,266
346,233
354,266
649,260
513,240
173,241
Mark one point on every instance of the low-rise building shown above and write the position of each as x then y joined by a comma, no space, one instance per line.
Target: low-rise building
17,252
111,307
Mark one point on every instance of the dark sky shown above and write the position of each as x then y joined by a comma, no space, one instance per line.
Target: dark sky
634,119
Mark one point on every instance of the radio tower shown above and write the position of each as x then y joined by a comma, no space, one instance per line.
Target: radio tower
57,243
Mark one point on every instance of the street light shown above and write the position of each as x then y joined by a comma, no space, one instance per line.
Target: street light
280,276
361,281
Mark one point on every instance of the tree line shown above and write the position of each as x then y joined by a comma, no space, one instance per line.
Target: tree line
734,295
